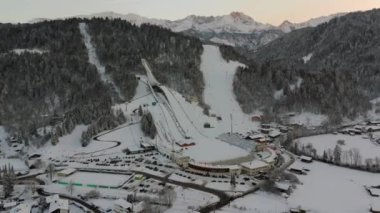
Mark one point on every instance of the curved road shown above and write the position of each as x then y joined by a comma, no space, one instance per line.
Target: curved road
96,138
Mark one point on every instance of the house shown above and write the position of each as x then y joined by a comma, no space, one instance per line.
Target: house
274,134
256,118
297,170
57,205
306,159
122,206
146,146
282,187
265,130
254,167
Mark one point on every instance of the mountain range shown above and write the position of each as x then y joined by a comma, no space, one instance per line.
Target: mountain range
235,29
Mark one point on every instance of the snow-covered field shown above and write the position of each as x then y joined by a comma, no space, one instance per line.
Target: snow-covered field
325,189
188,200
69,145
17,164
129,136
309,119
323,142
96,179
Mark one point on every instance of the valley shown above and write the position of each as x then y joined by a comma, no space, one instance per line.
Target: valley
121,113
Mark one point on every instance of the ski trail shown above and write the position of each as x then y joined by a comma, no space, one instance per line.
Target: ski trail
93,59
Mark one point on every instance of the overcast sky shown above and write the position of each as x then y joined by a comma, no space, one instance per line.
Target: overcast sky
267,11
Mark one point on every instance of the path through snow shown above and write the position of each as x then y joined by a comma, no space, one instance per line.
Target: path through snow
93,59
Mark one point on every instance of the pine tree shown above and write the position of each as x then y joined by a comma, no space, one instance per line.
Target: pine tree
337,154
324,157
8,180
54,139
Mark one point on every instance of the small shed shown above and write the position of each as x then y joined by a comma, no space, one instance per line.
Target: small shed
306,159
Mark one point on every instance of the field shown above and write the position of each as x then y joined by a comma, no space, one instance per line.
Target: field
323,142
99,179
326,188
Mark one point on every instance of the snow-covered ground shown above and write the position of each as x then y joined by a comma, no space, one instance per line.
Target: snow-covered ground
325,189
308,119
219,75
70,144
18,165
188,200
323,142
129,136
96,179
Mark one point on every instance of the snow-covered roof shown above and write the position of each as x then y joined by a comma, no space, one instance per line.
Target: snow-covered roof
282,186
9,205
52,198
59,204
274,133
123,203
272,157
257,136
306,158
67,171
22,208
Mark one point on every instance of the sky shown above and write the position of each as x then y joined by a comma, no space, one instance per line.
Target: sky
266,11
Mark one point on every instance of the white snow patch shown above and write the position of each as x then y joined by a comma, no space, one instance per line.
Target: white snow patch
70,144
222,41
278,94
34,51
307,58
308,119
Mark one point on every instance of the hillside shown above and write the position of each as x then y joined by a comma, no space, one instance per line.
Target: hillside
331,69
51,79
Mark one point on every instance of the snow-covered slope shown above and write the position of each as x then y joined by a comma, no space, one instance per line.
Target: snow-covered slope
219,76
288,26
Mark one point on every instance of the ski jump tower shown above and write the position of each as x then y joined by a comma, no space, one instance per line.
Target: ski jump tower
151,79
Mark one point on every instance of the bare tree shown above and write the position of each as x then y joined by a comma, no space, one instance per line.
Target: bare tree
70,187
357,157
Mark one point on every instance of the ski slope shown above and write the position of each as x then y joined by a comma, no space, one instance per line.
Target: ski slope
218,93
93,58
